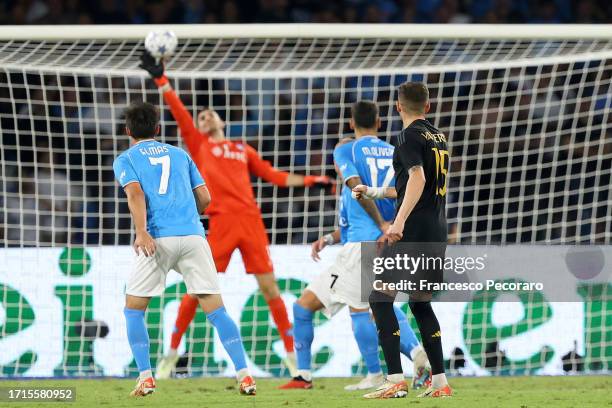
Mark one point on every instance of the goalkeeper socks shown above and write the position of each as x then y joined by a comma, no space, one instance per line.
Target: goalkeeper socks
430,334
408,340
388,330
281,319
364,331
229,335
186,313
138,337
303,331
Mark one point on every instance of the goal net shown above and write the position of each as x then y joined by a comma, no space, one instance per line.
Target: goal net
526,111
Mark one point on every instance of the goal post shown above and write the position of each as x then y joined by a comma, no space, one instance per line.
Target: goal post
526,110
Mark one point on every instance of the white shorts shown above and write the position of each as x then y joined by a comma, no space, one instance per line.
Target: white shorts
340,284
188,255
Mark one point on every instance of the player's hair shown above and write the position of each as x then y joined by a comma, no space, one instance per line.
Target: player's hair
364,114
142,119
413,96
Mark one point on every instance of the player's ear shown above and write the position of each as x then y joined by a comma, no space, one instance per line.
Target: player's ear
127,131
378,122
427,107
157,128
398,106
351,124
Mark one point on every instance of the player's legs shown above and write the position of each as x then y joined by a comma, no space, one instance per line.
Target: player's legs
197,267
303,331
410,347
137,334
255,254
222,243
147,279
364,331
420,306
186,313
389,339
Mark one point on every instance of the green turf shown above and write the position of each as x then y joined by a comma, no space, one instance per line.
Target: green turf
520,392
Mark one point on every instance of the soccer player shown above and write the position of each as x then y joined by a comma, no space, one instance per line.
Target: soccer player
339,285
166,194
421,166
235,219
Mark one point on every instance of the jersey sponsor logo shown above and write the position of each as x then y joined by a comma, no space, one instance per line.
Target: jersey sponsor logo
227,153
122,176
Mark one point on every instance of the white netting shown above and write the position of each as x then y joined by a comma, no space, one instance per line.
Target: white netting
528,125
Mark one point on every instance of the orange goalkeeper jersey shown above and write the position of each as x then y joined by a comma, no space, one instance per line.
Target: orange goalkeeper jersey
226,166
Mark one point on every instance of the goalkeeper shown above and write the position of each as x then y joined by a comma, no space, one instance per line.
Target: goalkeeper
234,219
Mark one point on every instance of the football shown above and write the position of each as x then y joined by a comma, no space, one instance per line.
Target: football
161,43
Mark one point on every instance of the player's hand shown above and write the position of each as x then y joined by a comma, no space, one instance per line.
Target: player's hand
310,181
144,242
360,192
317,247
153,67
394,233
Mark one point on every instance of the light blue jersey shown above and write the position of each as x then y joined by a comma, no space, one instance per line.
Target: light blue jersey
345,197
168,176
370,159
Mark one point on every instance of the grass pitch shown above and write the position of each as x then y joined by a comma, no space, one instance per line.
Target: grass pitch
519,392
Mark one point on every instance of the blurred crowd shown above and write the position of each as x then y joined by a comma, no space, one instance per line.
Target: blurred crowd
303,11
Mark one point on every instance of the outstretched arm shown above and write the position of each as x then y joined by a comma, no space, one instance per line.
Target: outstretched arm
264,169
184,120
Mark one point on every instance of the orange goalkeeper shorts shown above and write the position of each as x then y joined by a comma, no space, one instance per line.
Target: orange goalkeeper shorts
227,232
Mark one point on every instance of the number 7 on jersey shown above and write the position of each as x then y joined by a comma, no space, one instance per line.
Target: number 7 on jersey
165,175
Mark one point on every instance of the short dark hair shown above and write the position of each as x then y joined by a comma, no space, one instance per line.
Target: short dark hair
142,119
413,96
364,114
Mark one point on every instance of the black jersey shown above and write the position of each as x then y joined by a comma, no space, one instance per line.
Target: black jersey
421,144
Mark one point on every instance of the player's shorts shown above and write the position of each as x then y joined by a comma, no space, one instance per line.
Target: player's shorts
228,232
340,284
188,255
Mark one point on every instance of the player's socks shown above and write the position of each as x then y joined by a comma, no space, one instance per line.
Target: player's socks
388,330
281,319
145,374
186,313
430,334
438,380
138,337
303,332
229,335
408,340
364,331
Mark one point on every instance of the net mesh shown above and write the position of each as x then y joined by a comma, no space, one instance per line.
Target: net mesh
528,125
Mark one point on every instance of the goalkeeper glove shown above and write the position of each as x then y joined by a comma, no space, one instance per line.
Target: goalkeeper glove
310,181
155,68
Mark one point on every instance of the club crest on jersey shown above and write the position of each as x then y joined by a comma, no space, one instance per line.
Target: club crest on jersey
217,151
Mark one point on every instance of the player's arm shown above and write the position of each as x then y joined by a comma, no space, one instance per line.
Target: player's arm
411,156
414,189
190,134
264,169
327,239
198,186
138,209
368,205
202,198
363,192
